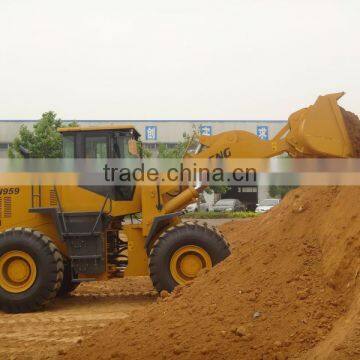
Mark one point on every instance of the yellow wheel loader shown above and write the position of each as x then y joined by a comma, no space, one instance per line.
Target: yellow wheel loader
55,237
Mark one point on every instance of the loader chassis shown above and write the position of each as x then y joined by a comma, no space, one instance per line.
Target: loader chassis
84,230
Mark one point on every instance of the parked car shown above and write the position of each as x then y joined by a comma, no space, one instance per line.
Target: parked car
204,206
266,205
229,205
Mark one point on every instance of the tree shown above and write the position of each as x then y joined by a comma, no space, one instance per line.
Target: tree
178,151
144,153
217,189
44,141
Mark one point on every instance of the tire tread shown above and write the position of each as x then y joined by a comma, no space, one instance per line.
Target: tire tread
47,291
216,240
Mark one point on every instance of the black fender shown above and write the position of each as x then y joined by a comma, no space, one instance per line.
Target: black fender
159,223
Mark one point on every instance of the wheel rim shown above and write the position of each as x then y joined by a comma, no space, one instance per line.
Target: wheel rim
17,271
187,261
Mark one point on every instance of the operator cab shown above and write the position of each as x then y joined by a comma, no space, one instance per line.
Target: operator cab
102,142
99,142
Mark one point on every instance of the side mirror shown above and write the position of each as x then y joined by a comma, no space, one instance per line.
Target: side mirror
24,152
132,146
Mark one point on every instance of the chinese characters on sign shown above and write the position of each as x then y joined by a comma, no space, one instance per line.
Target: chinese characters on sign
206,130
262,132
150,132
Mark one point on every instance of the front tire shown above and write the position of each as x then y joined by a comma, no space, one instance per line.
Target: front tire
31,270
182,251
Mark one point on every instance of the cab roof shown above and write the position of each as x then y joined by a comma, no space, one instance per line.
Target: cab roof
98,128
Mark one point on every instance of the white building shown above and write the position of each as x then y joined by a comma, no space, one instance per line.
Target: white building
170,132
158,131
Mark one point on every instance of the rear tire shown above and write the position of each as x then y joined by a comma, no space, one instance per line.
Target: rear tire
67,286
182,251
45,269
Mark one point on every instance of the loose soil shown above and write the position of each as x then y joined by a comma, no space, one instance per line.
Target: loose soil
69,320
290,289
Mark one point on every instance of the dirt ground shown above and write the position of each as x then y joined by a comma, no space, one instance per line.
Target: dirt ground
66,322
69,320
290,290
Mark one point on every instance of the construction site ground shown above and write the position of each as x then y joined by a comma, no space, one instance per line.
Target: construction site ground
289,290
69,320
66,322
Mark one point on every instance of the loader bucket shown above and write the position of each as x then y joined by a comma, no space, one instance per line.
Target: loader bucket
319,130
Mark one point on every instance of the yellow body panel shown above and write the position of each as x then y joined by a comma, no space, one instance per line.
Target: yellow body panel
75,198
138,260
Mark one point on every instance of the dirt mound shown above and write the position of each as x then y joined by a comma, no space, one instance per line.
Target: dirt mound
289,290
352,123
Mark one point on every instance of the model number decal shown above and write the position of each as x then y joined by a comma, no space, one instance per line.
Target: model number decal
9,191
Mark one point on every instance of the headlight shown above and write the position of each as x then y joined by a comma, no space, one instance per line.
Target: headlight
228,209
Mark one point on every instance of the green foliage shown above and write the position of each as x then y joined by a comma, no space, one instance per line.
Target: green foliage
43,141
144,153
72,123
179,150
220,215
218,189
279,191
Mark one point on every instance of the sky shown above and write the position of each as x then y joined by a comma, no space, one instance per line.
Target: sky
176,59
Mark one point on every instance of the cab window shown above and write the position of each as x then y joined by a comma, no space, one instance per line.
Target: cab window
124,146
69,146
96,147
